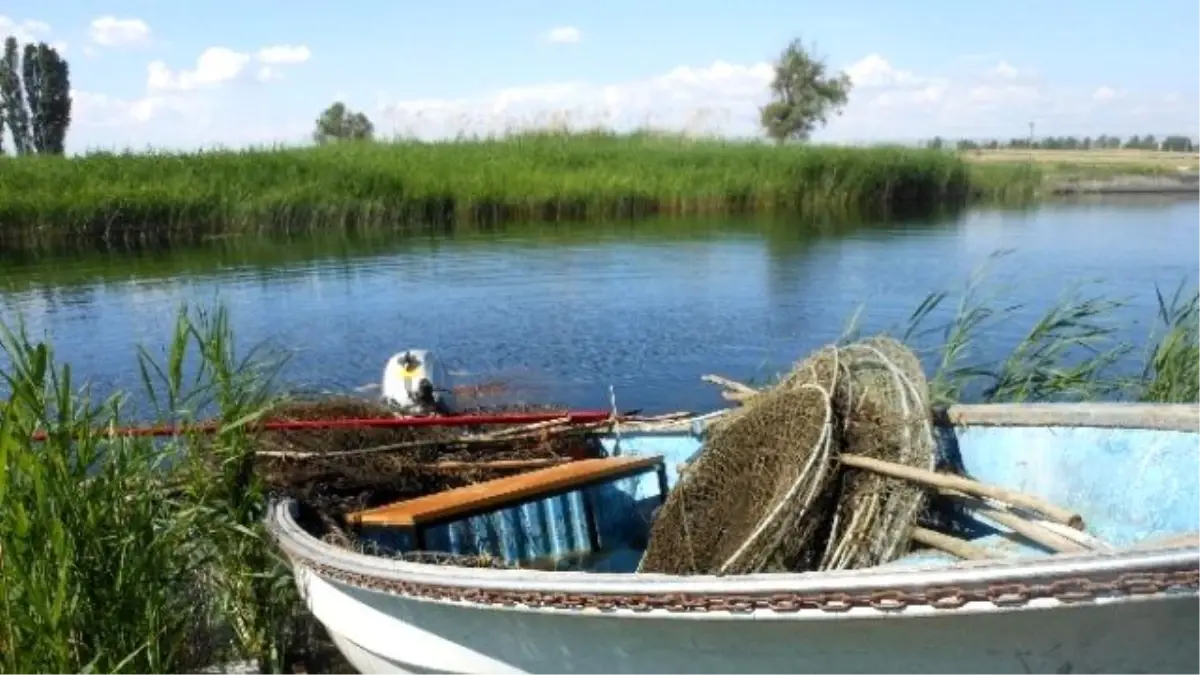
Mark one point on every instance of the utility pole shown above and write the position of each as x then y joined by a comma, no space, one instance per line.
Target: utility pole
1031,142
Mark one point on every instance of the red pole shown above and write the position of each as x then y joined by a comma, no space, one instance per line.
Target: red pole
572,417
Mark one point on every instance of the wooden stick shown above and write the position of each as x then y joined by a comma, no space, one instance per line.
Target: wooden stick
952,545
1030,530
496,464
735,388
737,396
971,487
1080,537
529,428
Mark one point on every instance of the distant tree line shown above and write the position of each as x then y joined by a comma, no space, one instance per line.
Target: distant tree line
1102,142
35,99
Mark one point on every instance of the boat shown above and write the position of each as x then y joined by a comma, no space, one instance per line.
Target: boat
1124,599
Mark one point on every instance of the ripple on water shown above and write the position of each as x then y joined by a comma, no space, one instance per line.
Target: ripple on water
562,319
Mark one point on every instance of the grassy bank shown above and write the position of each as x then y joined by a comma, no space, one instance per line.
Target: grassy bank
103,568
531,177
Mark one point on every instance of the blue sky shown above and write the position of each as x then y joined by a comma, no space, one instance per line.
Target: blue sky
154,73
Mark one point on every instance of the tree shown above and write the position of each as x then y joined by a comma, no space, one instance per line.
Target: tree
803,95
338,123
937,143
12,97
1178,144
35,98
48,93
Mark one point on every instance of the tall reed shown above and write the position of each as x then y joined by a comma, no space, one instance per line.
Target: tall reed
1172,370
1072,352
530,176
125,554
94,549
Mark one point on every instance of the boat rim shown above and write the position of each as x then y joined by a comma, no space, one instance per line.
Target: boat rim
1068,577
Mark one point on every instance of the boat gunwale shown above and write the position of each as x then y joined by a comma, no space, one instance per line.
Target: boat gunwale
1150,416
1144,570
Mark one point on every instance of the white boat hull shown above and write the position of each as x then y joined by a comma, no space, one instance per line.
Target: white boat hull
395,634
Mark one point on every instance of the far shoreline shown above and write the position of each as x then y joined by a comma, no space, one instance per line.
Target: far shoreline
109,201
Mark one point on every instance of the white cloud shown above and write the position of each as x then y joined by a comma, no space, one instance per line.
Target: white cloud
1106,93
178,106
217,66
888,102
875,71
1004,71
109,31
30,31
27,30
563,35
284,54
279,55
1000,95
101,110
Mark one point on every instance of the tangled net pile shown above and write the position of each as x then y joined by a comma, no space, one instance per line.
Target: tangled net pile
767,494
333,471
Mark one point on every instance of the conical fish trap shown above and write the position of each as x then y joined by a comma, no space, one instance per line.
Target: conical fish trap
767,494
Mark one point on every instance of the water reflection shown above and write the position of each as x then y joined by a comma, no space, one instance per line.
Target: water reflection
564,311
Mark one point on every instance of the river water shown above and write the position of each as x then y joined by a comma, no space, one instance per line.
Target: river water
560,313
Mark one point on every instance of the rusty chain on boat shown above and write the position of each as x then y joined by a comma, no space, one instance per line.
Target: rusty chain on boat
1066,590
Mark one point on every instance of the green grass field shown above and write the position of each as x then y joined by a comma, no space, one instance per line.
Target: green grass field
1058,165
1120,158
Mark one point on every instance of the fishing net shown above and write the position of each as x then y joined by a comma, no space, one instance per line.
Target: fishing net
334,471
766,493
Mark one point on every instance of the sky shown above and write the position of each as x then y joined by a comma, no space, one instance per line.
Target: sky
175,75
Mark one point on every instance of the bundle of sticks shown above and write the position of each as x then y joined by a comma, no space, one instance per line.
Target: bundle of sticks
507,434
1026,516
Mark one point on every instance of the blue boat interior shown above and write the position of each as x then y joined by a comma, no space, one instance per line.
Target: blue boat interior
1130,486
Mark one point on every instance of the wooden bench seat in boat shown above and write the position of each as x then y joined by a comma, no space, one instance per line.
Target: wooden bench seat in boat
418,513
